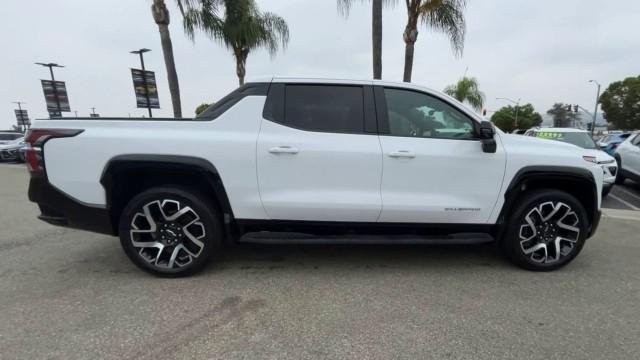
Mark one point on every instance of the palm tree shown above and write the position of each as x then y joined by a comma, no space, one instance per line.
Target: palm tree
446,16
466,89
243,28
161,17
376,30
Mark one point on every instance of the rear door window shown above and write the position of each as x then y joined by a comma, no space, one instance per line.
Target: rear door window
324,108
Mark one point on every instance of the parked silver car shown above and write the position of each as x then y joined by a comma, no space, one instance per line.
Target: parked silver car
10,151
628,157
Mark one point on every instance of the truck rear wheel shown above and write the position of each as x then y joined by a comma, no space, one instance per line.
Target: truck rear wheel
546,231
170,231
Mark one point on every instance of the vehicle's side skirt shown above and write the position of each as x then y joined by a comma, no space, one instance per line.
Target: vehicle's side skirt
361,232
356,239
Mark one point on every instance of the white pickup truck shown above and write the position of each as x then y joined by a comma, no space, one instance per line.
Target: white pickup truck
309,160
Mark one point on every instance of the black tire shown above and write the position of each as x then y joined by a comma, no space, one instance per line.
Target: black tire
200,222
619,177
547,232
606,191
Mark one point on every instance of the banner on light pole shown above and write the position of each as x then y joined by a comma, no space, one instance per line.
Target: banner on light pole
22,117
55,94
144,85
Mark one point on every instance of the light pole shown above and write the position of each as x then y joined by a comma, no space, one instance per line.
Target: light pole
144,76
595,111
53,83
517,105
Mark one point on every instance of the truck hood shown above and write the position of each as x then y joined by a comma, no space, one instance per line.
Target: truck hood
530,141
546,148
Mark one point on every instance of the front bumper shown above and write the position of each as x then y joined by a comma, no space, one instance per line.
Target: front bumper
58,208
9,154
609,172
594,224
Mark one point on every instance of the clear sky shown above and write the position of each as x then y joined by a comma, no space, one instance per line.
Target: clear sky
541,51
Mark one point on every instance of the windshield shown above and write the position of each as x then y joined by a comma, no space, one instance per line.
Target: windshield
581,139
10,136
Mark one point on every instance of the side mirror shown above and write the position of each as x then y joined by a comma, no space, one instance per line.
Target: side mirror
487,133
486,130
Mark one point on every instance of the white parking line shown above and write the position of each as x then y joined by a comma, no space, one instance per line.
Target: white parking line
627,192
621,214
630,205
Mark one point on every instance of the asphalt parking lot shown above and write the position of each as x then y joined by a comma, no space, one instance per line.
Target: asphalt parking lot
625,196
67,294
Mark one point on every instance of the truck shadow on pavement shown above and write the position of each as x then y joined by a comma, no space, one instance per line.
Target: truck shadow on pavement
264,258
258,258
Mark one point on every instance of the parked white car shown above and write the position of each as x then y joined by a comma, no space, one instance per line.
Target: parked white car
628,159
7,137
582,138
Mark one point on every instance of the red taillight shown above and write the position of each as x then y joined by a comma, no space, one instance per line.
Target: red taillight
34,160
36,139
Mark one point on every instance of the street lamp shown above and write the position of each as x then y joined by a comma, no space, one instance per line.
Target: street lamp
53,82
144,75
517,105
595,112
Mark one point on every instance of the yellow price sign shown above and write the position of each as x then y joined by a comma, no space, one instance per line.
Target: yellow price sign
550,135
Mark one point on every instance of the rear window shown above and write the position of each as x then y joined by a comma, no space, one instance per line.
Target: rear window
221,106
325,108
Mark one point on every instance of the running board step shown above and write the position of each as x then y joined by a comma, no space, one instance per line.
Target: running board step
299,238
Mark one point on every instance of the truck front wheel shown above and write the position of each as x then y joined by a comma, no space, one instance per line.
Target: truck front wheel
546,231
170,231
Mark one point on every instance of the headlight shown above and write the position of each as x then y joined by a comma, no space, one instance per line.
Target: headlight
591,159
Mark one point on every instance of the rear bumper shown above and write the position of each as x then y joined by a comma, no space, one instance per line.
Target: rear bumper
58,208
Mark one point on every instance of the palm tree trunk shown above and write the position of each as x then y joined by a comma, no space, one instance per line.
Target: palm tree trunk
410,36
376,37
172,74
161,16
241,64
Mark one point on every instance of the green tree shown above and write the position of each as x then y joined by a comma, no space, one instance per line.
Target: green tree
621,103
466,90
505,118
201,108
446,16
563,116
242,29
376,30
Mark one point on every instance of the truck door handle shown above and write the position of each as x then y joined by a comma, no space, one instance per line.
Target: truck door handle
283,150
402,154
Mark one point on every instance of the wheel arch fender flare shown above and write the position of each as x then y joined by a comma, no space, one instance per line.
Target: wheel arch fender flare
554,177
168,163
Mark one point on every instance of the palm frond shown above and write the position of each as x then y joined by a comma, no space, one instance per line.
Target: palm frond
344,6
241,28
466,90
446,16
201,14
275,32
